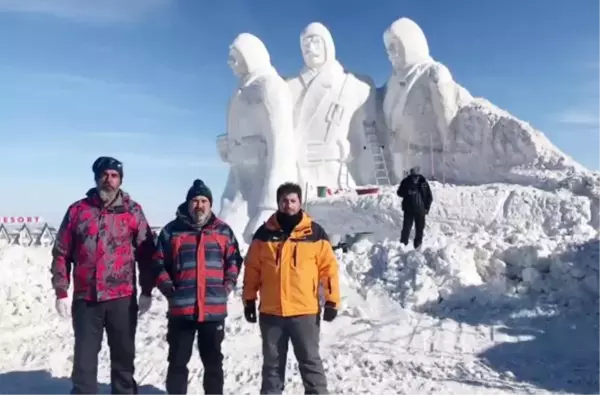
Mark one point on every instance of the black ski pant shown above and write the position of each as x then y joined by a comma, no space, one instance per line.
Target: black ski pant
119,318
418,219
303,331
180,336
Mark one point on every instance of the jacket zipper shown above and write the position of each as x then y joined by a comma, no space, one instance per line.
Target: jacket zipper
280,250
295,262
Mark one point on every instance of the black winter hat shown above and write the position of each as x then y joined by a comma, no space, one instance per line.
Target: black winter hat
199,188
104,163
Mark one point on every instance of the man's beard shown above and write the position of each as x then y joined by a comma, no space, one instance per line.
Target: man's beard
107,194
200,218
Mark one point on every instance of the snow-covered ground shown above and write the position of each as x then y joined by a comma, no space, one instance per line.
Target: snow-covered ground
501,299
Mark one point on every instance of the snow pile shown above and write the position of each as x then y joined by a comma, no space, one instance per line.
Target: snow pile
24,287
392,334
505,148
373,345
482,244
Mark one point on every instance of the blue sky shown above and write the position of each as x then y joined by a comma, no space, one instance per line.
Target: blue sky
147,81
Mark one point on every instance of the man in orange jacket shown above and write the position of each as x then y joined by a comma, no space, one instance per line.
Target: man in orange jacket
289,256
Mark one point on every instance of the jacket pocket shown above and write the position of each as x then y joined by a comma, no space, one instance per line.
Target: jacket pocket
182,296
81,277
215,295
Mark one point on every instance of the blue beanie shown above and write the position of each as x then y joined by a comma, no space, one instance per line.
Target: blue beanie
104,163
199,188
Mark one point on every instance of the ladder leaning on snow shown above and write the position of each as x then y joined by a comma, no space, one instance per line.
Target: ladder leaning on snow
382,175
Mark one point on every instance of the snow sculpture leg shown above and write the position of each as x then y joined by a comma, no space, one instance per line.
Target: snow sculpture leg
256,191
234,208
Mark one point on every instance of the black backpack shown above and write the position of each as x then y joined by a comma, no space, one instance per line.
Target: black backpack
415,195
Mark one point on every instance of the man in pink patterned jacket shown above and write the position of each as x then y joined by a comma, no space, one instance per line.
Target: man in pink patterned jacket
100,238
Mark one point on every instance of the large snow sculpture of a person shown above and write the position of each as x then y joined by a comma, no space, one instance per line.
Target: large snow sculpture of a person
420,101
326,100
259,144
435,124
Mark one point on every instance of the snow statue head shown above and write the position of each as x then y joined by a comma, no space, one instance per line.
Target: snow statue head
405,44
248,55
317,45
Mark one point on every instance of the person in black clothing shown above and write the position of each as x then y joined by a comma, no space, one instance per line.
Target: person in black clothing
416,201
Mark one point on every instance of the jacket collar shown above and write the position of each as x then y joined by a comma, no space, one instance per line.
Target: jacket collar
183,216
303,229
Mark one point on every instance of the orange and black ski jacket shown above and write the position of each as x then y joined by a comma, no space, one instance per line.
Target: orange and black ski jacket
286,271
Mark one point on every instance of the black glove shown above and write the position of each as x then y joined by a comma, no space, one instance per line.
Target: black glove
330,312
250,311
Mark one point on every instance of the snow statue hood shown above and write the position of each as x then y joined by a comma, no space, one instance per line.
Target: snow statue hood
255,55
318,29
407,40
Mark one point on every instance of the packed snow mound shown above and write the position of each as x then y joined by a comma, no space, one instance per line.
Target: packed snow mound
482,244
505,148
478,265
373,345
16,296
493,207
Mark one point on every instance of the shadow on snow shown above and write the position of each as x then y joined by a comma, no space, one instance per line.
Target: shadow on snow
557,346
42,382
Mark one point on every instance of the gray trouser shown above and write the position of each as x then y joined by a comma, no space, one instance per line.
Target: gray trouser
119,318
303,331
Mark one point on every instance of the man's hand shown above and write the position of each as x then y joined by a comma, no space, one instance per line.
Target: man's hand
330,312
144,304
62,307
250,311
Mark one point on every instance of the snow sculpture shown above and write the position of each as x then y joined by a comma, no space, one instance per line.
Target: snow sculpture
434,123
259,144
327,100
420,101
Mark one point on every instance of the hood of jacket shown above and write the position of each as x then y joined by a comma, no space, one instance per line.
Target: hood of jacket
409,41
254,54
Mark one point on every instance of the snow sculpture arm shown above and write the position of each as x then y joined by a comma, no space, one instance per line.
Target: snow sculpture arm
62,255
252,272
223,147
344,149
355,132
443,99
360,125
280,161
163,262
144,249
328,269
279,133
